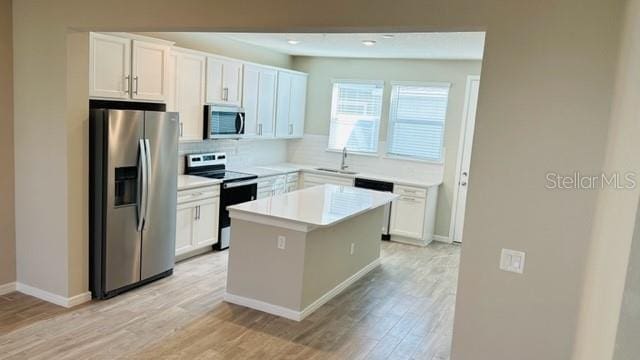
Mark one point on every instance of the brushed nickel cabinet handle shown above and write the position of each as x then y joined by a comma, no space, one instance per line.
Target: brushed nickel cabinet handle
135,80
127,84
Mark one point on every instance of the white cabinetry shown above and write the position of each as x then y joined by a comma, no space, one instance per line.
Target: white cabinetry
149,71
312,179
271,186
197,220
224,81
413,214
122,68
259,100
109,66
186,91
290,104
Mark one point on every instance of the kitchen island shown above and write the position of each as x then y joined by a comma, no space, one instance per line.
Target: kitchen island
292,253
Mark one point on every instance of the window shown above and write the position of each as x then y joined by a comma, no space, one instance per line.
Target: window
355,115
416,120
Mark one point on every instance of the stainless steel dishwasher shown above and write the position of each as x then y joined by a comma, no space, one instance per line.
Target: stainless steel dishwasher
379,186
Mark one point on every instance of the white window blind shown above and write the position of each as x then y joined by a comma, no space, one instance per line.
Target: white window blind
355,116
416,120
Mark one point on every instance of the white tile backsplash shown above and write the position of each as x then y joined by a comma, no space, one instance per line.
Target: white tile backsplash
240,153
312,150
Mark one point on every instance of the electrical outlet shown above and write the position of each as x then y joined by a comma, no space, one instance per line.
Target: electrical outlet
512,261
352,250
282,242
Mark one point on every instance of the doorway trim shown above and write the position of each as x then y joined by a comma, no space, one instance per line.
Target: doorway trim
463,147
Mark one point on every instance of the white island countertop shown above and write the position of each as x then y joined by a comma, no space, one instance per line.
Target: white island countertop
307,209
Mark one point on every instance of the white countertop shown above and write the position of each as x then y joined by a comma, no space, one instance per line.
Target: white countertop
318,206
284,168
190,182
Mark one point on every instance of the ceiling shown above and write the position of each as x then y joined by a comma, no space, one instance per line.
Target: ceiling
459,45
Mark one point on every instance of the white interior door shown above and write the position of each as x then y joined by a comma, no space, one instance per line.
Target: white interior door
464,157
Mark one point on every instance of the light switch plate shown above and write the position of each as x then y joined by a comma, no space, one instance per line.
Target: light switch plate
512,261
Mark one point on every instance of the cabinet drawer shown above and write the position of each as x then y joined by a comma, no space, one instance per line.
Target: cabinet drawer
198,193
292,177
410,191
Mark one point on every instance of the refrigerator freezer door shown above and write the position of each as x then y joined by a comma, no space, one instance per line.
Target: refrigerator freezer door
122,245
158,237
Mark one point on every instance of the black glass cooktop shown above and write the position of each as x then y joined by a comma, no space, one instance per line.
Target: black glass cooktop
226,176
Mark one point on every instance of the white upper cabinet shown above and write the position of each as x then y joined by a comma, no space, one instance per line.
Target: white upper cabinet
149,71
250,81
283,129
291,103
172,83
110,66
297,110
259,100
121,68
224,81
190,93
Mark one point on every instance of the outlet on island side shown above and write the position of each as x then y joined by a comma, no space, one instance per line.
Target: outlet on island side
352,250
282,242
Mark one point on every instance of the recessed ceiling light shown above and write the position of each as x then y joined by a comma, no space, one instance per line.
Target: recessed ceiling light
368,42
293,42
388,36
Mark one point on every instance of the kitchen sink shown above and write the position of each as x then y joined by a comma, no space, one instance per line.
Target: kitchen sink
337,171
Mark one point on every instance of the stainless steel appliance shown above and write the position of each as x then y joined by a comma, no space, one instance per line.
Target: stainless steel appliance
379,186
236,187
223,122
133,196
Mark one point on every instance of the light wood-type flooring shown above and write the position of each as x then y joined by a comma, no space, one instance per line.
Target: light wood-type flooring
401,310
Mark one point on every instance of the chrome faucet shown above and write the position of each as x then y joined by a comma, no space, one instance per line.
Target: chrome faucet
343,166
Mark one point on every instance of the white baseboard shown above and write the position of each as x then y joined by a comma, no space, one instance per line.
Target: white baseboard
7,288
338,289
295,314
262,306
441,238
54,298
409,241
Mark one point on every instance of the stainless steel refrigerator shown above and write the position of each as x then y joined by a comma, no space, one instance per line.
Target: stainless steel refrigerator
133,196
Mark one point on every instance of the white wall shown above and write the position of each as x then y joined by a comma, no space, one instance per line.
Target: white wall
544,105
319,88
7,224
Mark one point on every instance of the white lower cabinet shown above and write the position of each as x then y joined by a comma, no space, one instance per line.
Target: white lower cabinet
413,214
311,179
197,220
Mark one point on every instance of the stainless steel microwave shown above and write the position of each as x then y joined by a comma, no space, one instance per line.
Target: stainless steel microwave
223,121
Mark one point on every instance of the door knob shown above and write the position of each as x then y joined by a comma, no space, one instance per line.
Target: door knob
464,173
464,183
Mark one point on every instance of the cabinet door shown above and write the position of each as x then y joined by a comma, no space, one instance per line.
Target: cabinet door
298,105
214,80
283,104
109,66
191,78
149,71
232,82
250,79
292,186
206,228
172,85
267,101
185,220
407,217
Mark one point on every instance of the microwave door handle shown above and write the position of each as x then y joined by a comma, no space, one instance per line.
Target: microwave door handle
142,199
149,175
241,123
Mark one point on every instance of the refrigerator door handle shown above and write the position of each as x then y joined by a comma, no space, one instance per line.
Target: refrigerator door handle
149,174
142,203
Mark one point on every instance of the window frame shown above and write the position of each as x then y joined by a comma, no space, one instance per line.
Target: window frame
391,120
376,143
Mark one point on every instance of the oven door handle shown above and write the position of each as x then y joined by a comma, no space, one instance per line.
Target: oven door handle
239,183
